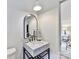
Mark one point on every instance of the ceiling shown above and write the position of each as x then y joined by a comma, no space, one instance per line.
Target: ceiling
27,5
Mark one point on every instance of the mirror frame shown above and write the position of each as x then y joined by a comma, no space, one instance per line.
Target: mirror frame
26,35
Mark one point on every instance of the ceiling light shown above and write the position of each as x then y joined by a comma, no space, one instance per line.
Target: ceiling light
28,15
37,8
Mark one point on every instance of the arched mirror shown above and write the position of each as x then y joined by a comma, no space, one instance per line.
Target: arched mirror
31,26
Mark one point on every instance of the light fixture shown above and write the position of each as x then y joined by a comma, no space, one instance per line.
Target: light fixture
28,15
37,7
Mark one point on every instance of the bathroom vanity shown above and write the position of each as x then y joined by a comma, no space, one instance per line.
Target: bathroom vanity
36,50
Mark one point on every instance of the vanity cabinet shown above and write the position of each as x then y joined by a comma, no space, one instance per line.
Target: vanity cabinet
39,56
36,50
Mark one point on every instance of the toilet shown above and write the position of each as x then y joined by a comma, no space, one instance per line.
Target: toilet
11,52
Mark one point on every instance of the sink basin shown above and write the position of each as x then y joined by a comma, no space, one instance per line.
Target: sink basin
36,47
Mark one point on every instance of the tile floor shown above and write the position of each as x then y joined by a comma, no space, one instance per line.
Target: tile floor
62,57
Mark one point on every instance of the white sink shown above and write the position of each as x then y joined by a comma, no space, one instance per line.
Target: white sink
36,47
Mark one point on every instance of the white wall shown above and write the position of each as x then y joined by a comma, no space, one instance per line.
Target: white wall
15,30
49,26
